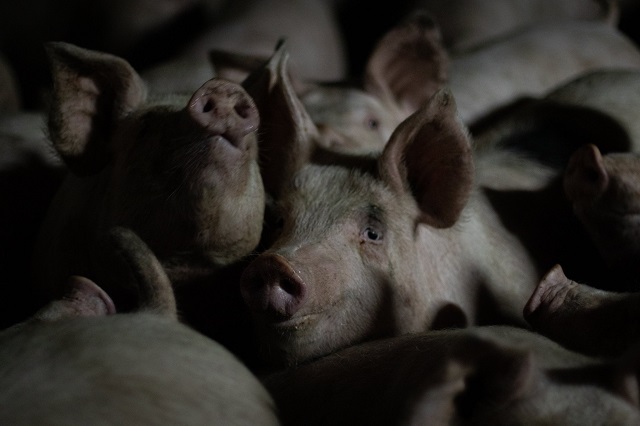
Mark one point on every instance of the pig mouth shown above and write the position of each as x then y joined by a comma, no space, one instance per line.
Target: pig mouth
289,325
227,139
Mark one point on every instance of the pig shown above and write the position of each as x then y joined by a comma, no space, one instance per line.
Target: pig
467,24
372,246
534,61
605,195
254,28
528,144
613,92
582,317
180,171
496,375
81,361
130,264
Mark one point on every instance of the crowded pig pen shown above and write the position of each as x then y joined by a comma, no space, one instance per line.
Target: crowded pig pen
320,212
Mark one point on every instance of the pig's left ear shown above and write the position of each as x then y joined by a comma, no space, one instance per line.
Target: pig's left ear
91,91
430,155
287,133
408,64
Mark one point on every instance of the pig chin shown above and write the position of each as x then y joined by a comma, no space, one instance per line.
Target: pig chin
291,342
302,338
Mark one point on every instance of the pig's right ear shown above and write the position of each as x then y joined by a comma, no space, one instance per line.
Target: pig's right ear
585,177
429,155
287,133
91,91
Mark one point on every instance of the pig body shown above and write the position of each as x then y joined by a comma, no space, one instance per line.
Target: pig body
124,368
529,143
77,361
468,24
81,359
496,74
479,375
584,318
613,92
310,26
181,172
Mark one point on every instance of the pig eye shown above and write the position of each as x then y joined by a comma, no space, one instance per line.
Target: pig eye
371,234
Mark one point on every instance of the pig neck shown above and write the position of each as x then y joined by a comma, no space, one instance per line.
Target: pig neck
492,272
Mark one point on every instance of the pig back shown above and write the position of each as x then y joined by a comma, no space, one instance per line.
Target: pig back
124,369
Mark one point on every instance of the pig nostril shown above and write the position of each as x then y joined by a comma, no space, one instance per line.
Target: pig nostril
243,110
208,106
291,287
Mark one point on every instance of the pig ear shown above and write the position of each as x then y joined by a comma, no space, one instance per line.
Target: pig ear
286,130
83,298
429,155
91,90
131,271
585,176
409,64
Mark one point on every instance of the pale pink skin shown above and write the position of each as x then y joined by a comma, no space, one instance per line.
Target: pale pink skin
584,318
471,376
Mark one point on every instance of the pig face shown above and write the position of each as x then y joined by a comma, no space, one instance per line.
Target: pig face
180,171
344,267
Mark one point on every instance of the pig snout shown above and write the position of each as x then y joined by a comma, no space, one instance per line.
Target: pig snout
224,109
270,285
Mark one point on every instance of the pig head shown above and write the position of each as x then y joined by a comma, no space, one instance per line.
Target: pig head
180,171
604,191
364,247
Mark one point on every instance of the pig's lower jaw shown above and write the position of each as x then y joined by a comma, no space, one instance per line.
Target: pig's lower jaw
291,342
